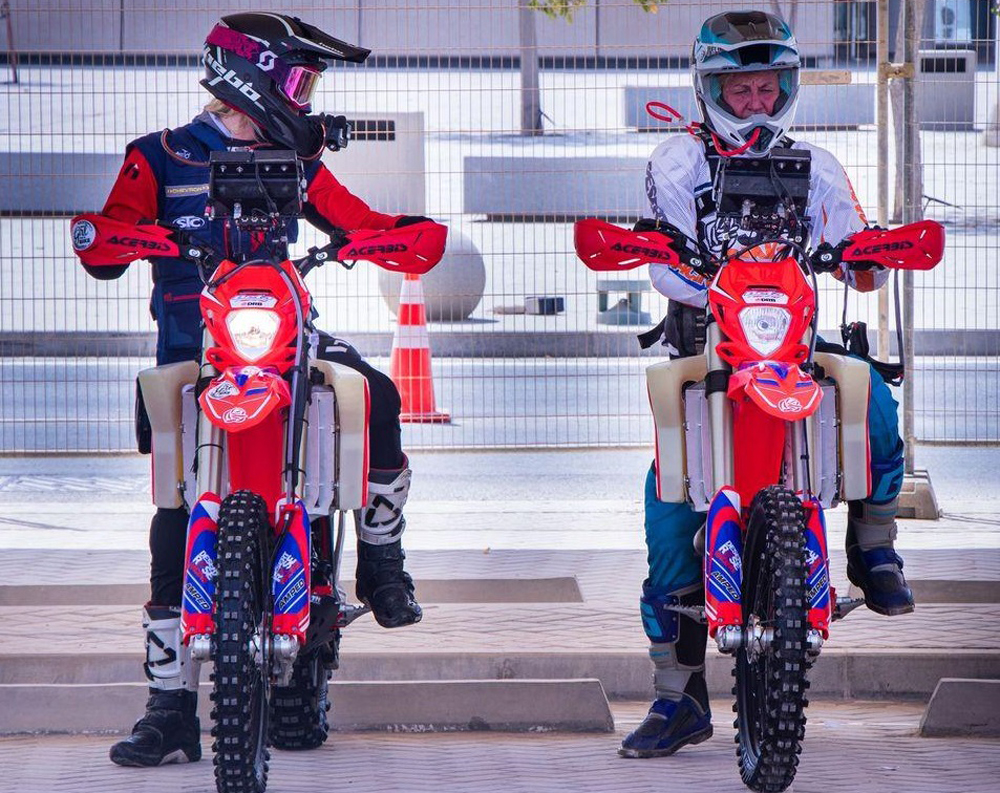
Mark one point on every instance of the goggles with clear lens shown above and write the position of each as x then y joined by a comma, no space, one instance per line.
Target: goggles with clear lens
299,85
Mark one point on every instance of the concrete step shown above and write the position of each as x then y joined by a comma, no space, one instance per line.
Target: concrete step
563,589
412,706
838,673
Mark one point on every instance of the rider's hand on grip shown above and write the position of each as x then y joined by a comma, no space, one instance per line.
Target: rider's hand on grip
686,249
191,248
827,258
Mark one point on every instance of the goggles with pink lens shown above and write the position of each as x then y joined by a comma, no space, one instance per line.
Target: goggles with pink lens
299,85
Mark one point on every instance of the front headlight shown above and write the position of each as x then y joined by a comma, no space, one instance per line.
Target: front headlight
253,331
765,327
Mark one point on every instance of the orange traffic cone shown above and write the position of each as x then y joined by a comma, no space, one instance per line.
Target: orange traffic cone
410,364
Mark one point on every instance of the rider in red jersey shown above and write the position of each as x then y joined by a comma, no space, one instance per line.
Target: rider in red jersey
261,69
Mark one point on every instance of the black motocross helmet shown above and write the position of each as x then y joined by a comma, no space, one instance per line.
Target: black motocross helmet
267,66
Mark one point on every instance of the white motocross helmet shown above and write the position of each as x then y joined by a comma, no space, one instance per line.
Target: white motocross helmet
741,42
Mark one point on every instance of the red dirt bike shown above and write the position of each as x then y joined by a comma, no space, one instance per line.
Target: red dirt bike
763,433
268,448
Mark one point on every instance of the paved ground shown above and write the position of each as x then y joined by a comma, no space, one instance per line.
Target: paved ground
849,747
484,529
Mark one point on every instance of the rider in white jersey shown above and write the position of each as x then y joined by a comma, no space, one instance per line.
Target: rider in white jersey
745,67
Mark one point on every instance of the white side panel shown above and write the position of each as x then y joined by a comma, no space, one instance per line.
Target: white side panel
161,391
189,432
853,385
665,383
320,452
351,400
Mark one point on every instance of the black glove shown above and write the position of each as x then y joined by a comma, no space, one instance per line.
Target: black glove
687,250
827,258
408,220
192,249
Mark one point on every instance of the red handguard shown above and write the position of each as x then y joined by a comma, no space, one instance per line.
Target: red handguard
413,249
100,241
604,247
915,246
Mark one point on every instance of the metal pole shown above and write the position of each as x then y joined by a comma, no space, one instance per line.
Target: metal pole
882,169
11,52
911,213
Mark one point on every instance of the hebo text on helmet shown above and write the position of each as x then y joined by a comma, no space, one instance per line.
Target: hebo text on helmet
268,66
741,43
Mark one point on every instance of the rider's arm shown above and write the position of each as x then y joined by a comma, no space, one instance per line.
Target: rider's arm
672,175
836,215
332,204
133,198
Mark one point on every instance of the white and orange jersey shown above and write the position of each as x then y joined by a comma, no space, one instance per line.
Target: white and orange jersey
679,190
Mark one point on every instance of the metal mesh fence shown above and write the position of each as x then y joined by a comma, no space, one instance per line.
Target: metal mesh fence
445,117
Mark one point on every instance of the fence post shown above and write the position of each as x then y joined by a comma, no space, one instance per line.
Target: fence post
917,499
11,52
882,127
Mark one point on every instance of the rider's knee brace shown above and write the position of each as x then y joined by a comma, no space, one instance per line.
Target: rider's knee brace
677,639
169,666
382,520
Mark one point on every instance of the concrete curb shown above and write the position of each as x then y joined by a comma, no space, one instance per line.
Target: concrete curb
963,708
412,706
564,589
838,673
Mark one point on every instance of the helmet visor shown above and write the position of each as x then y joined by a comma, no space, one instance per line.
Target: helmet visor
299,85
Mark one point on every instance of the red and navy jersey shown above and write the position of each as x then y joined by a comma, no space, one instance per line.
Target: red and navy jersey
165,178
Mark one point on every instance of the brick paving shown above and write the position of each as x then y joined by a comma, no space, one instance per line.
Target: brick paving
860,746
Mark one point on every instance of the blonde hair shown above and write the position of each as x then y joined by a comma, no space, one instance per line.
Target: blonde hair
219,108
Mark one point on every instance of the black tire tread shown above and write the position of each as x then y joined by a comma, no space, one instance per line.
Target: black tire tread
771,767
240,757
298,711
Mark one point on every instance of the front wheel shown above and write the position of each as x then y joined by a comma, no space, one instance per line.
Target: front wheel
771,673
240,688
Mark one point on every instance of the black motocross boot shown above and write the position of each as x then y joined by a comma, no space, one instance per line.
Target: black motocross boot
382,583
169,732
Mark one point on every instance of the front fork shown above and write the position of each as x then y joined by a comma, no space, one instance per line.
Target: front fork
723,572
288,567
724,528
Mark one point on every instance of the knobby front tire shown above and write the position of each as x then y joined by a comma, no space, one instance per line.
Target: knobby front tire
240,691
770,685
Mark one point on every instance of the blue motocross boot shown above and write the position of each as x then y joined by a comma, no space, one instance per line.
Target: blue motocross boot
671,724
872,563
680,714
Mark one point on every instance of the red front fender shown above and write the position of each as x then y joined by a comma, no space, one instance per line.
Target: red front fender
779,389
243,396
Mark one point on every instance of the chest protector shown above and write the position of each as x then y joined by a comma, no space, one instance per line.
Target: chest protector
179,160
